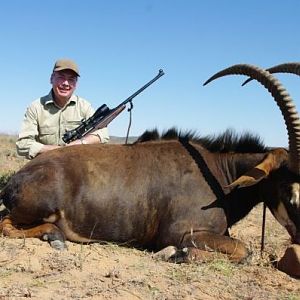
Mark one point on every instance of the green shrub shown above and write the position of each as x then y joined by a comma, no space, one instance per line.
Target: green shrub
5,178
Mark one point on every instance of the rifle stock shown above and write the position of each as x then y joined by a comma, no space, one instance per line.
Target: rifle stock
112,115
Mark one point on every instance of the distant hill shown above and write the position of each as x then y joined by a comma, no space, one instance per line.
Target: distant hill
11,139
10,161
121,140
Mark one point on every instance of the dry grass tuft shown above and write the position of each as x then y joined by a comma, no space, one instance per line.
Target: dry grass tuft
10,162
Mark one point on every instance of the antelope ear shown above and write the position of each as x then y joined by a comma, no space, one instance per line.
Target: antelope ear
249,178
272,161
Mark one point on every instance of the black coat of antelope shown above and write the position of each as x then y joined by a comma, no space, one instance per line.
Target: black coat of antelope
174,191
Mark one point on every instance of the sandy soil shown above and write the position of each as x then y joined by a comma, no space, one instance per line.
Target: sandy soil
30,268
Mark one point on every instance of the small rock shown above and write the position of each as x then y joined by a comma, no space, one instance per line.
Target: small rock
290,261
34,265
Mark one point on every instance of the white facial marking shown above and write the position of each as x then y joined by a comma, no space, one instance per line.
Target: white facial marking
295,194
283,218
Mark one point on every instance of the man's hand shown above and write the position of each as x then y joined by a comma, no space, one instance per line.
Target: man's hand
88,139
76,142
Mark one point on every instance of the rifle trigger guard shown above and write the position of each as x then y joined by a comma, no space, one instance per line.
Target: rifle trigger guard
131,106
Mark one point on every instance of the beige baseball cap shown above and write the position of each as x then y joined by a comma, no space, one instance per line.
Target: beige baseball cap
66,64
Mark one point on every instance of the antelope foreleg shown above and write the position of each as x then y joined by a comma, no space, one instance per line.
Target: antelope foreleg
204,246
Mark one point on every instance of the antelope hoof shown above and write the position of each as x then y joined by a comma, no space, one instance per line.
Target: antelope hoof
171,254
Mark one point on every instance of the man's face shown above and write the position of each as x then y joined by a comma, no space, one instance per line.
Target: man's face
63,84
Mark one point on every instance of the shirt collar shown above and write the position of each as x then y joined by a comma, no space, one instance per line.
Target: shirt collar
49,99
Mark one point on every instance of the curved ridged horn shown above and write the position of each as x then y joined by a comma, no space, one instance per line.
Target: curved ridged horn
283,100
293,68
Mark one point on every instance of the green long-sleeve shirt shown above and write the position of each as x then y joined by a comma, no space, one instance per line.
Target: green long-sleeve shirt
45,123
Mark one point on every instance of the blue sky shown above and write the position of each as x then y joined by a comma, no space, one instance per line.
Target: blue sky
120,45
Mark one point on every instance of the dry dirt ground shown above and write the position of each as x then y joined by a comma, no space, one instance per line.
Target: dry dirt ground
30,268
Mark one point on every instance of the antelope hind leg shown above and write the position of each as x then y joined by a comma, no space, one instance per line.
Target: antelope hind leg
48,232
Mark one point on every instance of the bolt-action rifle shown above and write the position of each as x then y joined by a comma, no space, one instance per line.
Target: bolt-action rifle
103,116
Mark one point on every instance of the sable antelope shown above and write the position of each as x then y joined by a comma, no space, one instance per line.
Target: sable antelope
155,193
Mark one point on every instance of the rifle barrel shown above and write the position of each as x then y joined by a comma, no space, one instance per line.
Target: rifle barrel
160,73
